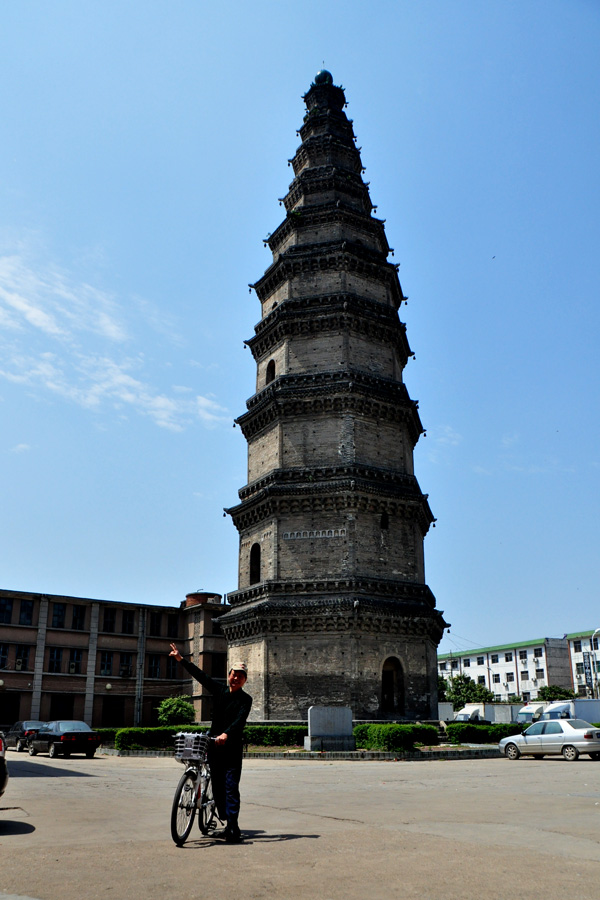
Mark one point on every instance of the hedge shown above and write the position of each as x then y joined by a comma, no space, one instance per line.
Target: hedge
394,737
151,738
472,733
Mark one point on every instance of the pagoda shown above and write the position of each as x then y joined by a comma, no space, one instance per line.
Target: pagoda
332,607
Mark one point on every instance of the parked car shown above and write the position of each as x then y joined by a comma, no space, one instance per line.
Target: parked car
548,738
3,766
65,737
19,734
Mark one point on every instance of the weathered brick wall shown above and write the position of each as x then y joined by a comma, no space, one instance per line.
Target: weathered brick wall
382,444
262,535
291,668
263,453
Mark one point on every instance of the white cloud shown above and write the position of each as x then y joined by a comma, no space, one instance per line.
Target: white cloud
442,438
20,448
66,338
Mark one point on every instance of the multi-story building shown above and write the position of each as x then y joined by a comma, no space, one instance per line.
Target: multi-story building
585,662
101,661
513,670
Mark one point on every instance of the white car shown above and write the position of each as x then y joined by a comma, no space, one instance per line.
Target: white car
554,736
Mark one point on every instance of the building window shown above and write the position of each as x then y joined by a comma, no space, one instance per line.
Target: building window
539,673
219,665
538,651
255,564
75,662
523,654
110,617
508,657
216,626
270,376
480,661
454,664
3,656
579,670
59,612
594,643
510,676
55,660
172,625
442,667
576,646
467,663
26,612
106,662
496,678
494,657
481,679
126,665
155,623
172,667
153,665
384,522
128,621
524,675
6,608
22,660
78,622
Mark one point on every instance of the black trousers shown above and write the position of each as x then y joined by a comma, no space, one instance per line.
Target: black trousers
226,771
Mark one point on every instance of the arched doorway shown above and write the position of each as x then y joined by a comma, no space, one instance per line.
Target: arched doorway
392,687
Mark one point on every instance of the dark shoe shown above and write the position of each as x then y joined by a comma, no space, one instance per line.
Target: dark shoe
233,835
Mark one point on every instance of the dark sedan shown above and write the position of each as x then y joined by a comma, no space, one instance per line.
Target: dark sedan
65,737
3,769
20,734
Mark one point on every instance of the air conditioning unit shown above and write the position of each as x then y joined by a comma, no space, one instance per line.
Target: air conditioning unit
72,668
580,678
19,665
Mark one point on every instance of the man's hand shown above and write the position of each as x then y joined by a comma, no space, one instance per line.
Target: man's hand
175,652
221,738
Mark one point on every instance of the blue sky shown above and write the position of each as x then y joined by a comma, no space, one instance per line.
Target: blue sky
144,146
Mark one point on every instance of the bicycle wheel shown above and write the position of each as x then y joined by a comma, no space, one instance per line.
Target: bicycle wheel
206,807
184,807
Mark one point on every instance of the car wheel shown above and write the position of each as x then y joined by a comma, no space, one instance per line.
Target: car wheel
52,751
32,750
511,751
570,753
19,746
89,753
595,756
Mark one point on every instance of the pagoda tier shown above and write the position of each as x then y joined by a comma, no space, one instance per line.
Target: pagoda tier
332,604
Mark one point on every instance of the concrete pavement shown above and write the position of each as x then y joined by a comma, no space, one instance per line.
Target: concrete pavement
433,830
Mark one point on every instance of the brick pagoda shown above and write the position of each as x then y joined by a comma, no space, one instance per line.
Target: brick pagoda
332,605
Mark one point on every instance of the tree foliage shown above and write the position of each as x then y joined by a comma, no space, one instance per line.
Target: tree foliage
462,689
554,692
176,711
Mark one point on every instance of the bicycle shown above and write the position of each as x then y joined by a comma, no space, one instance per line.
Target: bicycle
194,791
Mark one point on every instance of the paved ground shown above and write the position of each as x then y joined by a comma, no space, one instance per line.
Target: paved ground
447,830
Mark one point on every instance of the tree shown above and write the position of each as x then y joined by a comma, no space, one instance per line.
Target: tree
554,692
462,689
442,688
176,711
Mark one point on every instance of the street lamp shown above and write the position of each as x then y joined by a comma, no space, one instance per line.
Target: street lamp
597,631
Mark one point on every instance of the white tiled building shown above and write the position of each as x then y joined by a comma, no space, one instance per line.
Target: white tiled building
516,669
584,649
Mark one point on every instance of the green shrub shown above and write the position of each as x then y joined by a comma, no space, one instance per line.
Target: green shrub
151,738
176,711
107,735
275,735
473,733
394,737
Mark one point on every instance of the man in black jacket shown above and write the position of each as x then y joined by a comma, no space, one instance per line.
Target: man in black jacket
230,710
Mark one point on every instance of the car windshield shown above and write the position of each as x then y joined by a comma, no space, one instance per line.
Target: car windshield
578,723
32,724
73,726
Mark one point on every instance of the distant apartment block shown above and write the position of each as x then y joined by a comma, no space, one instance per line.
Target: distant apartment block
101,661
513,670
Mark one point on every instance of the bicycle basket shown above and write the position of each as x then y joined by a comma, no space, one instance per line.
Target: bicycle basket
190,746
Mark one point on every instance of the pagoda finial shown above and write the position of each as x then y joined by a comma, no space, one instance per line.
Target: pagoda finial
323,77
